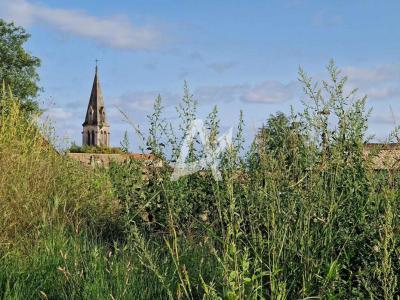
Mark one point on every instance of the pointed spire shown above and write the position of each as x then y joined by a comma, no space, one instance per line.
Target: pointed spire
95,114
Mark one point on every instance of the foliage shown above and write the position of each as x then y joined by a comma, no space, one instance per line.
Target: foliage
125,143
156,128
300,215
95,149
39,187
18,68
129,185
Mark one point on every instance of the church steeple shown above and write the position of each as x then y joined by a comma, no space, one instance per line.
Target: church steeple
96,130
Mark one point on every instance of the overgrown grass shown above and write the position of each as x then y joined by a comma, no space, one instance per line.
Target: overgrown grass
299,215
40,188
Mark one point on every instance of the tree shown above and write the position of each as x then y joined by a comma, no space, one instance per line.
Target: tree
283,140
281,133
18,68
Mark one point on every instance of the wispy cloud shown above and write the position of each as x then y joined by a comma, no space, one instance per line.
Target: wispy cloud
380,82
384,118
142,100
270,92
222,67
58,114
218,94
325,19
378,73
267,92
196,56
114,31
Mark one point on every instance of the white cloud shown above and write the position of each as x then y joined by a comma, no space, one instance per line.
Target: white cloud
58,114
382,92
381,82
270,92
217,94
382,118
378,73
267,92
114,31
142,100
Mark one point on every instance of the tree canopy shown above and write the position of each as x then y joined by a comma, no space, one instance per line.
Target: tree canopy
18,68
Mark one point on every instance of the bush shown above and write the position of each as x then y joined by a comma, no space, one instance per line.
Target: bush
40,187
95,149
302,217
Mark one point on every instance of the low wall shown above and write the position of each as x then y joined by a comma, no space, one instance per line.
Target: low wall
384,157
103,160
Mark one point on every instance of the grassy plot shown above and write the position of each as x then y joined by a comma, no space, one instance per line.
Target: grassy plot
299,215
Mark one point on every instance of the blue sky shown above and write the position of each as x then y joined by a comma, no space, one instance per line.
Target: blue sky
235,54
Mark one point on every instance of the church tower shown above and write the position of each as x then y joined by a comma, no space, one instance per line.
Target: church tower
96,130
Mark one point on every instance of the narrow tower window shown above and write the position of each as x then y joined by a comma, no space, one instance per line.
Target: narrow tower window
91,112
102,115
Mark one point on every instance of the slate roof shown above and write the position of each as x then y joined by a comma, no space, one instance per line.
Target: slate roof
96,106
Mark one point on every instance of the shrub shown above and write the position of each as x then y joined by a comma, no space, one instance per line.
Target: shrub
95,149
40,187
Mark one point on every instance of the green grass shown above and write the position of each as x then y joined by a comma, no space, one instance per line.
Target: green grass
299,215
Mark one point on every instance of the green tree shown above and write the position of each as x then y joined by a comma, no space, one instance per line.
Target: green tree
283,138
18,68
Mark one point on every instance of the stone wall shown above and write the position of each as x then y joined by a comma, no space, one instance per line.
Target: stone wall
384,156
103,160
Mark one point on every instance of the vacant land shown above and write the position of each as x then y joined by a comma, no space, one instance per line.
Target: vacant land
298,215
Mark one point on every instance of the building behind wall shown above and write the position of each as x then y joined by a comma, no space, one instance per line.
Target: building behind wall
96,130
